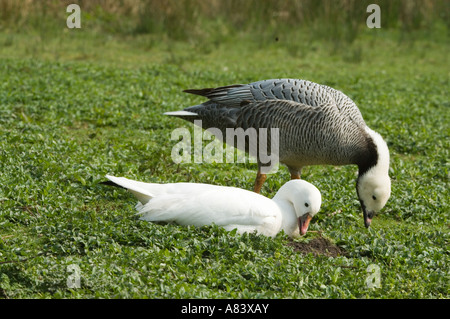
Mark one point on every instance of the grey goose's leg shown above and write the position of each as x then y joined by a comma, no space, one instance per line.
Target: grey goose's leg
295,172
259,181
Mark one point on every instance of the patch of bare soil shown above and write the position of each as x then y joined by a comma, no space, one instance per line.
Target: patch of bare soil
318,246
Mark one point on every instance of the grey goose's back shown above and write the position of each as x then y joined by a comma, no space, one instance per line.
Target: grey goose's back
317,124
301,91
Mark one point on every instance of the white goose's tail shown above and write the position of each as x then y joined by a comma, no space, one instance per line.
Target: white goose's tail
134,187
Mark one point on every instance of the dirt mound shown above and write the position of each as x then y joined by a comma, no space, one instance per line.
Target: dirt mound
318,246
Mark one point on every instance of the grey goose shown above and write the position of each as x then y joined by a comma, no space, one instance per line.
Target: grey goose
318,125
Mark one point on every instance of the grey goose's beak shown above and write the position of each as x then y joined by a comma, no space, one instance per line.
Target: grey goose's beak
368,215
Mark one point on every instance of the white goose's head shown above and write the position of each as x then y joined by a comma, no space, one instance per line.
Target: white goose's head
305,199
374,185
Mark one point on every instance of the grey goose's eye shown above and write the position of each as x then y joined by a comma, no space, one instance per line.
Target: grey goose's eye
374,197
306,205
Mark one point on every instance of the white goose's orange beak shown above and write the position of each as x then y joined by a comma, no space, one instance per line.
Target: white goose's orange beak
303,223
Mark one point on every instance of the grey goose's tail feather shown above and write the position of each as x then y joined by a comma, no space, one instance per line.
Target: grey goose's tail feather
212,92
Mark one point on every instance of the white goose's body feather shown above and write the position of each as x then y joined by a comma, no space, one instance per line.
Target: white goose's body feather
229,207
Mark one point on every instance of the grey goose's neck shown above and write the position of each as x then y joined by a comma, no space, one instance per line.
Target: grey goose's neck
368,157
376,159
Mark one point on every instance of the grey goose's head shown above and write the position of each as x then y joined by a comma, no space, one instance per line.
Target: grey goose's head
374,185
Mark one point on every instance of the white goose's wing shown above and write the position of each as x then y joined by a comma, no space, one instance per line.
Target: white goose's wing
145,191
204,204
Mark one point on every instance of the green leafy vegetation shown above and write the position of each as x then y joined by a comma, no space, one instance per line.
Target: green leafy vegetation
78,104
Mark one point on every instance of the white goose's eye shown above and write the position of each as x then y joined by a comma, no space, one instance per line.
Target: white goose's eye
306,205
374,197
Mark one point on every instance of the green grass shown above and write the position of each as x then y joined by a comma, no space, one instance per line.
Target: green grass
76,107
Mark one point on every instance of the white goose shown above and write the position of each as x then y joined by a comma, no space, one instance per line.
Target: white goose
291,209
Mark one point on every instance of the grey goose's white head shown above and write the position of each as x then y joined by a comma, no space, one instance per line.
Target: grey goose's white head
373,184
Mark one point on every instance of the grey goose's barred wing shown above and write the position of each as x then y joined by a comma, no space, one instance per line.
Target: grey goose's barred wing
301,91
261,114
346,106
308,134
302,127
